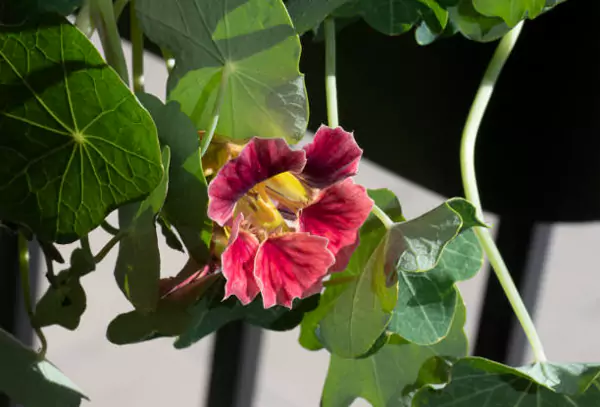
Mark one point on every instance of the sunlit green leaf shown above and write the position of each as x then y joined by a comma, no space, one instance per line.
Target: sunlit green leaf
257,58
138,264
427,301
479,382
187,199
388,377
424,238
511,11
393,17
474,25
31,380
75,143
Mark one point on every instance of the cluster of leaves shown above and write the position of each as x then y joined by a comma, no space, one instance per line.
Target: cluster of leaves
77,144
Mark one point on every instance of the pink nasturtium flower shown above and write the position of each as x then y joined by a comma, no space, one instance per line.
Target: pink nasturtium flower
293,216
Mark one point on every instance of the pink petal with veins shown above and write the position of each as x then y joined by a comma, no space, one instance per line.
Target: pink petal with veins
291,266
337,214
238,264
332,157
260,160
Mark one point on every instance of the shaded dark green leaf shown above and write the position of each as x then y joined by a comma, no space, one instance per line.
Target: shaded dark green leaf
427,301
255,60
388,377
65,303
169,234
138,263
31,380
474,25
187,200
75,142
477,381
308,14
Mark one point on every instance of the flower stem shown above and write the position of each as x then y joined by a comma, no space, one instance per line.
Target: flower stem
104,19
205,142
26,287
467,159
330,80
137,50
377,211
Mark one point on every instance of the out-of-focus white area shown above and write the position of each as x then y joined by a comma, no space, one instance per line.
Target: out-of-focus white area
154,374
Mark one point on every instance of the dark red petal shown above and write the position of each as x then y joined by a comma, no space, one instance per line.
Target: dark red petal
337,214
331,157
260,160
291,266
238,264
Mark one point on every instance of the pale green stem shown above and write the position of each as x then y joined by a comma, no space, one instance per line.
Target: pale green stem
137,50
387,222
467,158
205,142
84,19
330,80
26,289
104,19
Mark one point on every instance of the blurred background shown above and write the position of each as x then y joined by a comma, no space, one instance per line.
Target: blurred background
539,173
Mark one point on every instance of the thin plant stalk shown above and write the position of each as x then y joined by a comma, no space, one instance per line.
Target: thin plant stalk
467,159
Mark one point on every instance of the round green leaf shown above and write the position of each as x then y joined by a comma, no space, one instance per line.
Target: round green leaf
254,60
427,301
387,378
75,143
480,382
511,11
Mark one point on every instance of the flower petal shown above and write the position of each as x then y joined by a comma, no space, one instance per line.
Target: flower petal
332,156
260,160
342,258
337,214
238,264
291,266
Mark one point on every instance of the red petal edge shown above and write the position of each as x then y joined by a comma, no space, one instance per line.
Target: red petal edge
238,264
332,157
260,160
337,214
291,266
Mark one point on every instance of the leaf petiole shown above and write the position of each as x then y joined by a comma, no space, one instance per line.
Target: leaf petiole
104,18
108,247
467,161
137,50
108,228
382,216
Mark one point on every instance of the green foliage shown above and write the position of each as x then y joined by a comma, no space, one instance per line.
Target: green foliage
31,380
75,142
254,61
427,301
187,198
476,381
389,377
138,264
308,14
64,303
